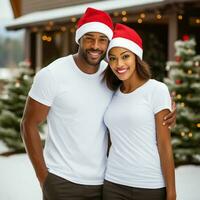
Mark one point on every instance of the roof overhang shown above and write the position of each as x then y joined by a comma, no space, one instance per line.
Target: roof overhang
64,14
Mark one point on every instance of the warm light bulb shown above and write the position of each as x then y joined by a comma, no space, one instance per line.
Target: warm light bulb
198,21
63,28
34,29
142,15
116,14
48,28
72,30
158,16
17,84
182,104
123,12
179,96
51,23
190,134
44,37
124,19
197,63
49,39
182,134
139,21
73,19
180,17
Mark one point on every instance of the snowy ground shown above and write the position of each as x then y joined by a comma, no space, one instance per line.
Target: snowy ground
18,181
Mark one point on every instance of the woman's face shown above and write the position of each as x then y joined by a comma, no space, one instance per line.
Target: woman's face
122,62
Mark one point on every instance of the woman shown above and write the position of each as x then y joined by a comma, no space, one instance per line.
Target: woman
140,163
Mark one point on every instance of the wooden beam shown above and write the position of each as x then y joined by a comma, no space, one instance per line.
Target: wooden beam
172,34
39,51
16,6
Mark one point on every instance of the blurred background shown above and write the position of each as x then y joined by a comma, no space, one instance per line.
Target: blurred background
33,33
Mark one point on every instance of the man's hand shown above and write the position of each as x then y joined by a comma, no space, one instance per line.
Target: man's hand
170,119
42,177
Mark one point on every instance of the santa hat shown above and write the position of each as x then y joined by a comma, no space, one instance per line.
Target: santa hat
94,21
126,37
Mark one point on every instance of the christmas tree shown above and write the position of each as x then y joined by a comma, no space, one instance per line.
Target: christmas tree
184,83
12,104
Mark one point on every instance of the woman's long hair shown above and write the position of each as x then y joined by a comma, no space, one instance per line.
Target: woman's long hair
113,83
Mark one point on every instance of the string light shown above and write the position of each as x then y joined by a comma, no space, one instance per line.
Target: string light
190,134
124,19
124,13
63,28
158,16
182,104
179,96
116,13
198,125
17,84
197,63
50,23
48,28
49,39
182,134
189,71
34,29
26,77
190,51
180,17
73,19
173,93
46,38
139,20
197,21
72,30
142,15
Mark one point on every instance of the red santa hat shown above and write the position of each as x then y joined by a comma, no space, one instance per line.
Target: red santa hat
126,37
94,20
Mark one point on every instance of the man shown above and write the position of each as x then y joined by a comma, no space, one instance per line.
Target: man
69,93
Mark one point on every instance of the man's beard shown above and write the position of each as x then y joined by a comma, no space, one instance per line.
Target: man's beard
84,54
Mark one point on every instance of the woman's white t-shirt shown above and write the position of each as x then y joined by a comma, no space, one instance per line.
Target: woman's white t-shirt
134,159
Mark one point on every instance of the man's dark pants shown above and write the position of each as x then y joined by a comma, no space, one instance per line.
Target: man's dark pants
57,188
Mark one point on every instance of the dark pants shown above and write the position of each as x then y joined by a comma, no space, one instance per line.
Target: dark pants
113,191
57,188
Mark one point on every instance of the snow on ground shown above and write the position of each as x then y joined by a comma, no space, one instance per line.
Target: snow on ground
188,182
18,180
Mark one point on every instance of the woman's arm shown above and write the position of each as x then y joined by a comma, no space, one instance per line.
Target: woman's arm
166,154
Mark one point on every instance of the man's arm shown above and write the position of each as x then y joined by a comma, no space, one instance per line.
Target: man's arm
34,114
170,119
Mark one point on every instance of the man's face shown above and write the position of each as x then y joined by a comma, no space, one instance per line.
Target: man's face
93,46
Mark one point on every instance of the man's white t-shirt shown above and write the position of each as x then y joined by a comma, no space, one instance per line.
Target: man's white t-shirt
134,159
76,143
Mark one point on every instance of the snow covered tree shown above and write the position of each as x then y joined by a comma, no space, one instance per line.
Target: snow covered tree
11,108
184,83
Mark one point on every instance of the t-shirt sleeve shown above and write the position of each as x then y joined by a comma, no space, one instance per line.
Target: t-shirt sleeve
43,88
161,98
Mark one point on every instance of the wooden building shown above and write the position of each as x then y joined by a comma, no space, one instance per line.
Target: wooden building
50,25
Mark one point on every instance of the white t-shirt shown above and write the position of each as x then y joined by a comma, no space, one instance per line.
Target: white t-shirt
134,159
76,143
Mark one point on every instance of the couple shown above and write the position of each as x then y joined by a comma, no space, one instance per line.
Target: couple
80,96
